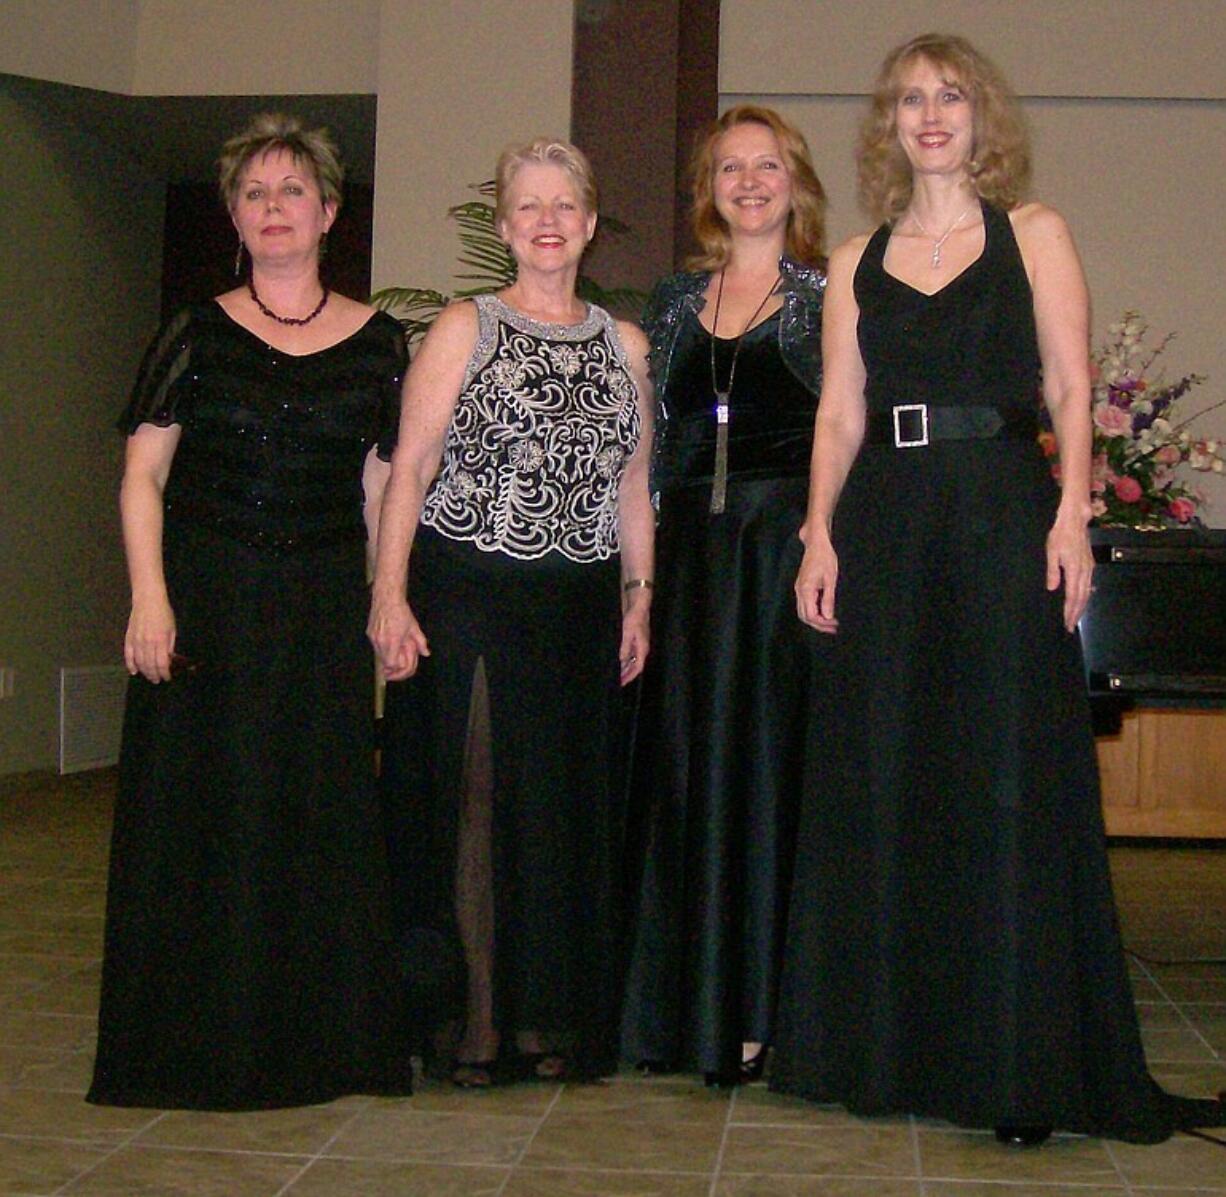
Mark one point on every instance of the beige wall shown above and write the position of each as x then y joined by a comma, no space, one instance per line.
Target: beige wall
85,43
1141,180
79,290
458,79
274,47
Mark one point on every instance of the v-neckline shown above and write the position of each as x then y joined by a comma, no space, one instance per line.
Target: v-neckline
983,253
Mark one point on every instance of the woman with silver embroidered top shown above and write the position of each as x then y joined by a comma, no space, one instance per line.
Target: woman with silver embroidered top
249,957
718,753
952,947
528,556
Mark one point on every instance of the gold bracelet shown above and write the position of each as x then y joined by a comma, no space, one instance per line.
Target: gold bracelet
638,583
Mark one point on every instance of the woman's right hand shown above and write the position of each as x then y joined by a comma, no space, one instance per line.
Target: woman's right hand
397,637
816,581
150,639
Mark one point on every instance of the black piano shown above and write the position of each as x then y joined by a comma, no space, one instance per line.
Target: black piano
1154,634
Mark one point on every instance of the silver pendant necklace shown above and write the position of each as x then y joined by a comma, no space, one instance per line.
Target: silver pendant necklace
937,242
719,480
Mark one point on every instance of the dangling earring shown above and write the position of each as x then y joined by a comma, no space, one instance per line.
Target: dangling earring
238,259
323,245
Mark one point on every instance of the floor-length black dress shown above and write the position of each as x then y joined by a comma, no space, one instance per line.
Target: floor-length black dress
953,949
248,960
720,737
514,572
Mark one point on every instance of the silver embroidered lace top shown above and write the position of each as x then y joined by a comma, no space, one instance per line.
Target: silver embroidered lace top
546,418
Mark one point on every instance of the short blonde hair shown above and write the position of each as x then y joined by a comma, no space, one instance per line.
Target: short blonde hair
1000,150
806,228
272,131
543,151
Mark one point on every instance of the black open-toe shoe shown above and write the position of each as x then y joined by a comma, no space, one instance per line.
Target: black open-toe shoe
477,1074
1022,1136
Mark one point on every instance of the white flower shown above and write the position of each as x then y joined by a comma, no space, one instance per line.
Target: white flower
526,456
566,359
507,376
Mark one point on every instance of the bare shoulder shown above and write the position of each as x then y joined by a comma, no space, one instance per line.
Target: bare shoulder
633,339
1036,224
846,257
455,327
350,308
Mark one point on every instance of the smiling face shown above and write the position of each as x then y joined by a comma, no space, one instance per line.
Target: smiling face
278,210
752,185
546,225
935,120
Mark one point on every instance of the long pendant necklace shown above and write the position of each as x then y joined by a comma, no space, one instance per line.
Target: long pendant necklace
719,480
937,242
259,303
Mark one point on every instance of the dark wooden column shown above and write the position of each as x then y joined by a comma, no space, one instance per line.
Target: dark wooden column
645,80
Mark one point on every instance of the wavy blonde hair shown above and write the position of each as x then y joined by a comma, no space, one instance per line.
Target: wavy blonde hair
544,151
806,228
272,131
1000,149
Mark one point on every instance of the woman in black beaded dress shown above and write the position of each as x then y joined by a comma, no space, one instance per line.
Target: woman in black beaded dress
519,488
248,960
720,734
953,948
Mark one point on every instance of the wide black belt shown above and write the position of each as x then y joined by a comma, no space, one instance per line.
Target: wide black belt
914,425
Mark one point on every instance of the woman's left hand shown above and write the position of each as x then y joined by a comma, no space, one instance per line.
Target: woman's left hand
636,641
1070,560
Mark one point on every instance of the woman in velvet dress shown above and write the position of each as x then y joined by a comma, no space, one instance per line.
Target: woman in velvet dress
720,739
518,509
953,948
248,955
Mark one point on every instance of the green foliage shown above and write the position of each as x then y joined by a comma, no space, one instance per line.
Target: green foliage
490,267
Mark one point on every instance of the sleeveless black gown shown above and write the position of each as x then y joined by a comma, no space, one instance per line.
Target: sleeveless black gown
953,949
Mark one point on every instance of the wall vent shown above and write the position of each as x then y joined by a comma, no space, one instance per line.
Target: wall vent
91,716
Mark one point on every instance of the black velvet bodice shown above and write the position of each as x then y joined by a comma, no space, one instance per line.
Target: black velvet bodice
770,428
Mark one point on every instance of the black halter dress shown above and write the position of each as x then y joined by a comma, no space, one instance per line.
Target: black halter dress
953,949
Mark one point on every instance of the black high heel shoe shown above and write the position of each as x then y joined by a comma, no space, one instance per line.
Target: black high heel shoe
1022,1136
745,1073
752,1069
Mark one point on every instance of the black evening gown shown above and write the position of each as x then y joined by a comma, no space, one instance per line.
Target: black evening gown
546,409
953,949
248,960
720,733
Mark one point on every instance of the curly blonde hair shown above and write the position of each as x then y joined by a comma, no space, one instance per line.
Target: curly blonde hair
806,228
544,151
272,131
1000,151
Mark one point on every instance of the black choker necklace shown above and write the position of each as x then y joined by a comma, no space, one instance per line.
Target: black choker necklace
259,303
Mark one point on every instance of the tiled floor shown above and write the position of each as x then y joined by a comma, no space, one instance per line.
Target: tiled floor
630,1136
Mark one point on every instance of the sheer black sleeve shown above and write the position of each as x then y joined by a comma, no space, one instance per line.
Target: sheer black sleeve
387,428
162,392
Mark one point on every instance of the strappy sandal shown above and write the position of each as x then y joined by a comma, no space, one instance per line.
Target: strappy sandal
543,1066
476,1074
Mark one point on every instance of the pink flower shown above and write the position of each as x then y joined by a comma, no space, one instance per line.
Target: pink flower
1181,509
1168,455
1112,420
1127,490
1047,442
1098,474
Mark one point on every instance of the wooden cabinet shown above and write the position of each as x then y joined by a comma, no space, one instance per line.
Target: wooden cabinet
1165,774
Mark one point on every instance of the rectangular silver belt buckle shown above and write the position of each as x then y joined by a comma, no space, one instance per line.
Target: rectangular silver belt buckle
917,443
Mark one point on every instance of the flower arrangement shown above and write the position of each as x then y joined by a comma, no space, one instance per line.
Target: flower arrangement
1139,440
